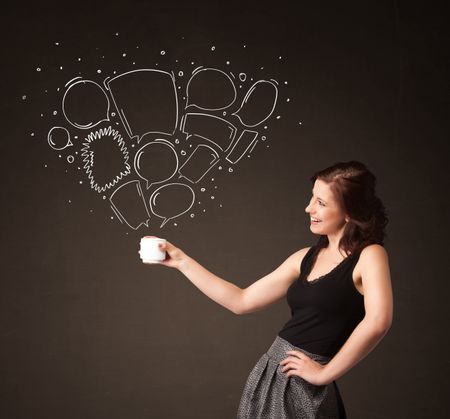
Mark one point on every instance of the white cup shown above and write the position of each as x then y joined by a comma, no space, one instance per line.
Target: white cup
150,252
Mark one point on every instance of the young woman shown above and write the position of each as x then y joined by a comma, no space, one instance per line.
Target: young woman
339,292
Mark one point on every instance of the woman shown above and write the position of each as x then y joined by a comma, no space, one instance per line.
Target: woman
339,292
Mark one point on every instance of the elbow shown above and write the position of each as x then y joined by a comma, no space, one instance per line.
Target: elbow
380,326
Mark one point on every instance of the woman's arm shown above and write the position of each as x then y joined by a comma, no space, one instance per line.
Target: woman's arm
378,302
257,296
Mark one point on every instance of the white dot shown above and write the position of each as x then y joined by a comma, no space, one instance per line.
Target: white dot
288,100
55,112
228,63
38,69
104,197
79,59
32,134
163,52
56,43
183,153
180,73
117,33
124,54
278,116
220,167
263,138
45,165
299,123
203,189
24,97
265,126
285,82
177,141
192,215
212,197
99,71
70,201
60,67
279,57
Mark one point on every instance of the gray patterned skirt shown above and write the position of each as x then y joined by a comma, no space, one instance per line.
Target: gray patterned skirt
269,394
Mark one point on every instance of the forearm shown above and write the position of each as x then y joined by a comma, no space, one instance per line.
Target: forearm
222,292
360,343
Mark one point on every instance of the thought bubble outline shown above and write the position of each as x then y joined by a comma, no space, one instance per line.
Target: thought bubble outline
250,91
120,112
194,74
119,214
155,195
91,124
137,157
52,143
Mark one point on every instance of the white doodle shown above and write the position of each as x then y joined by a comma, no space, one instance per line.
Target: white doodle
172,200
59,138
200,162
146,101
209,127
206,80
97,150
259,103
128,203
156,162
242,145
85,104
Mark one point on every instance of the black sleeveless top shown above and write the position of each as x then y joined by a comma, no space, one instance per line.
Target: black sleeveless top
324,311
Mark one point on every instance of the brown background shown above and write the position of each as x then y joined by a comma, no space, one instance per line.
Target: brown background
87,331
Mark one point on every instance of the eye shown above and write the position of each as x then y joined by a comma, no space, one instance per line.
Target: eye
321,203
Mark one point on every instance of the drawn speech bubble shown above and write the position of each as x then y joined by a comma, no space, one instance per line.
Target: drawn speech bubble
85,104
171,200
59,138
156,162
258,104
210,89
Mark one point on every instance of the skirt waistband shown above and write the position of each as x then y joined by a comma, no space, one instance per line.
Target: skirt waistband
280,346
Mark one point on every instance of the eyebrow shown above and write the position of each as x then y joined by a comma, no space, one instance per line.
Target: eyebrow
319,197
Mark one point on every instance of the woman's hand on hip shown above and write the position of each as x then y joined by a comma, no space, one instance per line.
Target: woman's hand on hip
300,364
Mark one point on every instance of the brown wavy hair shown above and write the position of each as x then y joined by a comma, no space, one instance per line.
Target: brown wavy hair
353,186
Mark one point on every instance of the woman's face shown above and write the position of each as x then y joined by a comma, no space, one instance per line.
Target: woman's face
324,208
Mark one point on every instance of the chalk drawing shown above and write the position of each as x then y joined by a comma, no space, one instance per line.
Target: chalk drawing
242,145
210,89
258,104
210,127
156,162
146,101
200,162
85,104
59,138
172,200
105,158
128,204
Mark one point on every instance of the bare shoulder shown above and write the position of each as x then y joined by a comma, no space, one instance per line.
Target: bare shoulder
295,260
373,258
374,253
